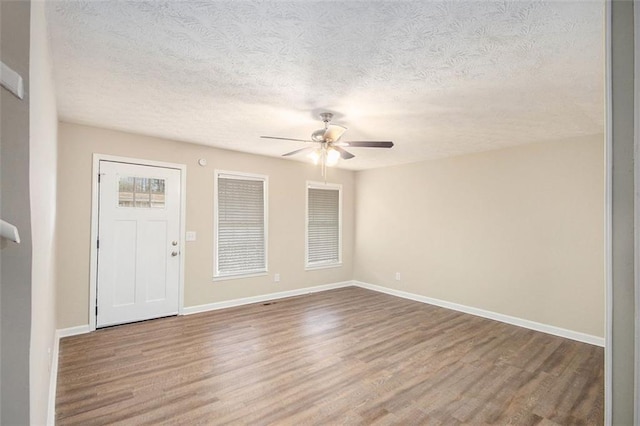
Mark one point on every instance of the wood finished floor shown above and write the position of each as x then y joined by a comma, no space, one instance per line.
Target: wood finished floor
345,356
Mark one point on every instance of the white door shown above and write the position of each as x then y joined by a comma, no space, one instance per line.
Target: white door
138,243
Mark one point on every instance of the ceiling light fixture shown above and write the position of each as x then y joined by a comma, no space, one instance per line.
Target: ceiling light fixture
326,156
332,156
315,156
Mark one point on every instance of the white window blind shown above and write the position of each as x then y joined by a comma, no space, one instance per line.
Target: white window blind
241,225
323,226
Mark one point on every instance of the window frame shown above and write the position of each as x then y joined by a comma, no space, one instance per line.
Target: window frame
217,275
322,264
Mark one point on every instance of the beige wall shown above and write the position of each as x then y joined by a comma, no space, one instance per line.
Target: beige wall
286,217
43,124
517,231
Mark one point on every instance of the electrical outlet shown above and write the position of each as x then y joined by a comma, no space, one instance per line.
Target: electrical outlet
276,278
397,276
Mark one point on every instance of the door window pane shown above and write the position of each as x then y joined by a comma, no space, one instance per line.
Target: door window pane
141,192
141,195
125,191
156,188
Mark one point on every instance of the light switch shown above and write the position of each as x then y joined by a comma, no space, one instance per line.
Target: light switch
191,236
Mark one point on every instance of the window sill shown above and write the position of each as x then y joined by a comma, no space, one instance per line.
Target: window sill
322,266
239,276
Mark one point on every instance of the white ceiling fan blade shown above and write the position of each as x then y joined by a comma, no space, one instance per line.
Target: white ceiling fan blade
343,153
285,139
334,132
297,151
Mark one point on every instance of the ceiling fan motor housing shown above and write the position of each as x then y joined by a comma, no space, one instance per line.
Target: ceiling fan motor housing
326,117
318,135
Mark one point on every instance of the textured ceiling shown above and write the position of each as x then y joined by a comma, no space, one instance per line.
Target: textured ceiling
439,78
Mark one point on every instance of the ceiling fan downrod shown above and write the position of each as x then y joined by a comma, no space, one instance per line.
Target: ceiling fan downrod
318,135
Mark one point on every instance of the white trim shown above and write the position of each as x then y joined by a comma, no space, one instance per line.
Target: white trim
53,372
240,276
183,234
73,331
53,380
225,174
532,325
608,215
93,252
321,265
264,298
93,267
323,185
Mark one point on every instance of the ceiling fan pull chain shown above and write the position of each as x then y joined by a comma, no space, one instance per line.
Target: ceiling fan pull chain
324,164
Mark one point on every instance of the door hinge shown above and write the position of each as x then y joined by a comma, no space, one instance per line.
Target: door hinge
99,175
96,310
97,244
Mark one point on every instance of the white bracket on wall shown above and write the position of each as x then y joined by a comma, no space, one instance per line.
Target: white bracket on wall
11,80
9,231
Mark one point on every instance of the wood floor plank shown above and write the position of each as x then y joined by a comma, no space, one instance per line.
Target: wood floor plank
345,356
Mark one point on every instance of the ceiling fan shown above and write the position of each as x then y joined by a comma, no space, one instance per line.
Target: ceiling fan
330,147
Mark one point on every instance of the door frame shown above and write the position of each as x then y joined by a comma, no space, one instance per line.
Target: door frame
93,270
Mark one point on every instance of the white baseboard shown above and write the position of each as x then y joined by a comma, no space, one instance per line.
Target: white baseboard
532,325
520,322
263,298
53,375
53,380
72,331
188,310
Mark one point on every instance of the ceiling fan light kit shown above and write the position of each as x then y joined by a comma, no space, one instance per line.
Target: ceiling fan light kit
330,155
330,150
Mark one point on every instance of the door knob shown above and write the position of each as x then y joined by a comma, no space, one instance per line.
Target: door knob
174,253
174,243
